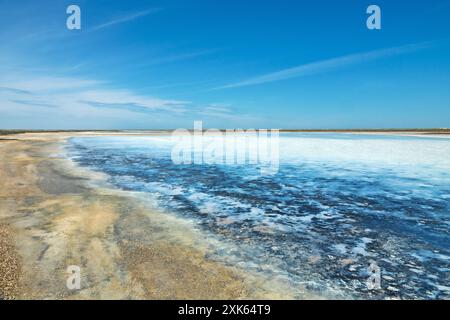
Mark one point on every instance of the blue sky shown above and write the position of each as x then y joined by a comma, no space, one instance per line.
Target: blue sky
231,64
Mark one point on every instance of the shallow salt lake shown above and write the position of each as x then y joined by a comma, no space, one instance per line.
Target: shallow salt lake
336,204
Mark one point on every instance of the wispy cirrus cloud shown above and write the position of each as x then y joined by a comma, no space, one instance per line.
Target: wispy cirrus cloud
31,84
34,103
328,65
126,100
179,57
14,90
222,111
73,95
126,18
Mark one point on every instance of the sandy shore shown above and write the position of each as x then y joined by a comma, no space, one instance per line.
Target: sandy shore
53,215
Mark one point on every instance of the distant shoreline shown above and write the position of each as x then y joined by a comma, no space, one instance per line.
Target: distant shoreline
417,131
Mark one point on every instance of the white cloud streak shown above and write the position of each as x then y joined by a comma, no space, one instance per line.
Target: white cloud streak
328,65
40,84
72,95
178,57
126,18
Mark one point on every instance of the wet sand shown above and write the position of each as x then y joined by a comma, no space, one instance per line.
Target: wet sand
54,215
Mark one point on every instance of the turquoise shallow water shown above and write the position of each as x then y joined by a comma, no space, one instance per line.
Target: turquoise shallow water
337,203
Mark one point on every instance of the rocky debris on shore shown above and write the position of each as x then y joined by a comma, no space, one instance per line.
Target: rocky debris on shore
9,265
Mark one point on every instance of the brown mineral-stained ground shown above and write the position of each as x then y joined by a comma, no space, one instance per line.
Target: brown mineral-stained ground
51,217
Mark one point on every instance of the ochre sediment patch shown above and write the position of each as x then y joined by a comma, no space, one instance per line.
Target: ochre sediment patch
168,271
